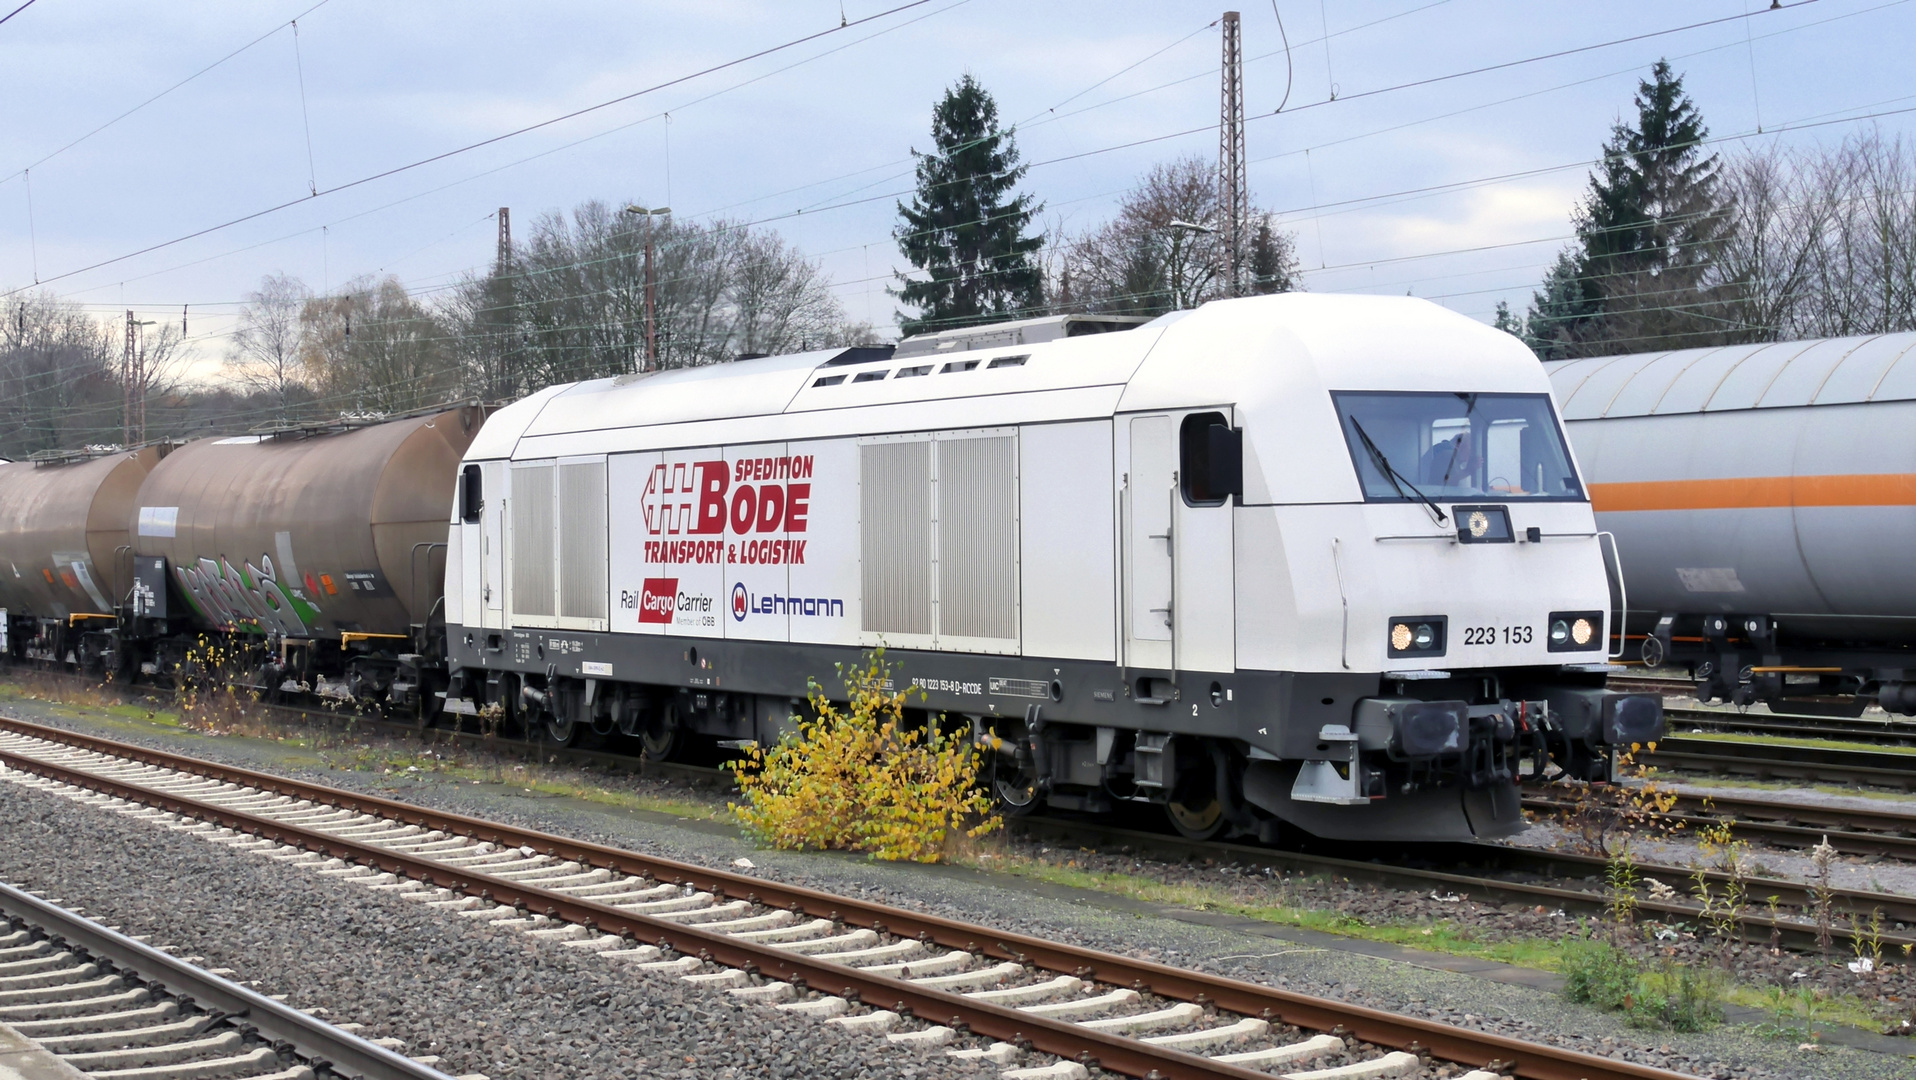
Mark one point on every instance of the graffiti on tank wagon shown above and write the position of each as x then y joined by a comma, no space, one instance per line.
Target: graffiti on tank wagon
250,598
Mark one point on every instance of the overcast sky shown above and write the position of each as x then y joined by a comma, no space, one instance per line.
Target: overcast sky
1458,189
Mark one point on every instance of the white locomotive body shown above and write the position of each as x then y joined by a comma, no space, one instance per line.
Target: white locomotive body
1322,560
1762,496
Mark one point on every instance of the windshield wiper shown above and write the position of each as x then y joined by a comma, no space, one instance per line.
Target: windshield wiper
1391,474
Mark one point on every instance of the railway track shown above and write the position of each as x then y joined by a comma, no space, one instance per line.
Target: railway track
527,749
1789,725
908,977
1505,874
1766,761
1850,830
88,998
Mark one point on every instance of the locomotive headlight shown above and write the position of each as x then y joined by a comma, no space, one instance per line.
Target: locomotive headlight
1574,631
1417,635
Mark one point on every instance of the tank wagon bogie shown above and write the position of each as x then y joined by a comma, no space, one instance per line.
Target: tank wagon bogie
1316,560
1762,497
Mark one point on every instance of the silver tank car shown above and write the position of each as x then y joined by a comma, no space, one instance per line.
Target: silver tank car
63,553
332,532
1762,498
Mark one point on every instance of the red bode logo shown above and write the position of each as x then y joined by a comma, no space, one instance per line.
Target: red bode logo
751,495
658,599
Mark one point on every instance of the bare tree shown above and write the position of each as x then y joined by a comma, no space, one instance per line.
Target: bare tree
374,349
1824,243
265,352
577,296
166,360
59,377
1162,252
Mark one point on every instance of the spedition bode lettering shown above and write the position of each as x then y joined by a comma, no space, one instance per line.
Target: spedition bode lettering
753,495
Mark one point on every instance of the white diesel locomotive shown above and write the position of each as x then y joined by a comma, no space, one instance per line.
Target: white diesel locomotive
1316,560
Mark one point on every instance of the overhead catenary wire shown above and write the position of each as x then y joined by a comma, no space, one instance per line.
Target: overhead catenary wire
1205,129
16,11
1134,143
489,141
277,27
299,69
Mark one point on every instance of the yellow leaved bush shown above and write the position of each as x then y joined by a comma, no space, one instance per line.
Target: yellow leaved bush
857,777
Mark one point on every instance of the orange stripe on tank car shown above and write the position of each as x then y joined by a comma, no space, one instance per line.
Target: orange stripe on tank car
1754,492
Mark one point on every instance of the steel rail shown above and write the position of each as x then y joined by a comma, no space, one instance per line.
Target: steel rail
1131,1057
1802,762
1691,814
1790,725
534,749
318,1042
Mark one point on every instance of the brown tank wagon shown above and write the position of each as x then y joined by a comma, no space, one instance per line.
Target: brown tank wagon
329,532
302,559
64,564
316,554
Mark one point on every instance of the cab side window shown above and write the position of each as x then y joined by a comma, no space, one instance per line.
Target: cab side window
1210,459
471,495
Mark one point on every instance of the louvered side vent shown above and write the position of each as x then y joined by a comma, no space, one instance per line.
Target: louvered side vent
582,592
532,523
978,538
894,504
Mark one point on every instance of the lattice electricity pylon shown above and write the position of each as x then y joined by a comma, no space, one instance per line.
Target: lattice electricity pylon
1233,201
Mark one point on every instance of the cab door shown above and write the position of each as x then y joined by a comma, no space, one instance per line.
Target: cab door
1147,504
492,563
1182,476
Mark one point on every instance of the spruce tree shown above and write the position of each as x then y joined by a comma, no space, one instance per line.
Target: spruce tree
964,228
1643,274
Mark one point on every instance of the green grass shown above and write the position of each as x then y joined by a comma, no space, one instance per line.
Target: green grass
1790,740
1786,785
1436,936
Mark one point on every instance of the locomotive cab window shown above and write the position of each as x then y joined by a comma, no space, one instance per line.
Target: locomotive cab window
471,495
1456,446
1210,459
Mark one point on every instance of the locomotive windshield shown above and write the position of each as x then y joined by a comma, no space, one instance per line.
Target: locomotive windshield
1446,446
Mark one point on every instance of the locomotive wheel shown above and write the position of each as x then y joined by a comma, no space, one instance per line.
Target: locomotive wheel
659,733
1011,773
1194,808
1196,823
562,730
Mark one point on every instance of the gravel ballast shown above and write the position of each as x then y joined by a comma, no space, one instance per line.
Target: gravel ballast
1308,963
486,1000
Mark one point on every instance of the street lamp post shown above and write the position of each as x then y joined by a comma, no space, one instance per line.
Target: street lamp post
1178,226
651,302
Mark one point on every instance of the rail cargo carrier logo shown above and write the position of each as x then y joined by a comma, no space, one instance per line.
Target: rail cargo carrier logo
659,600
703,501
